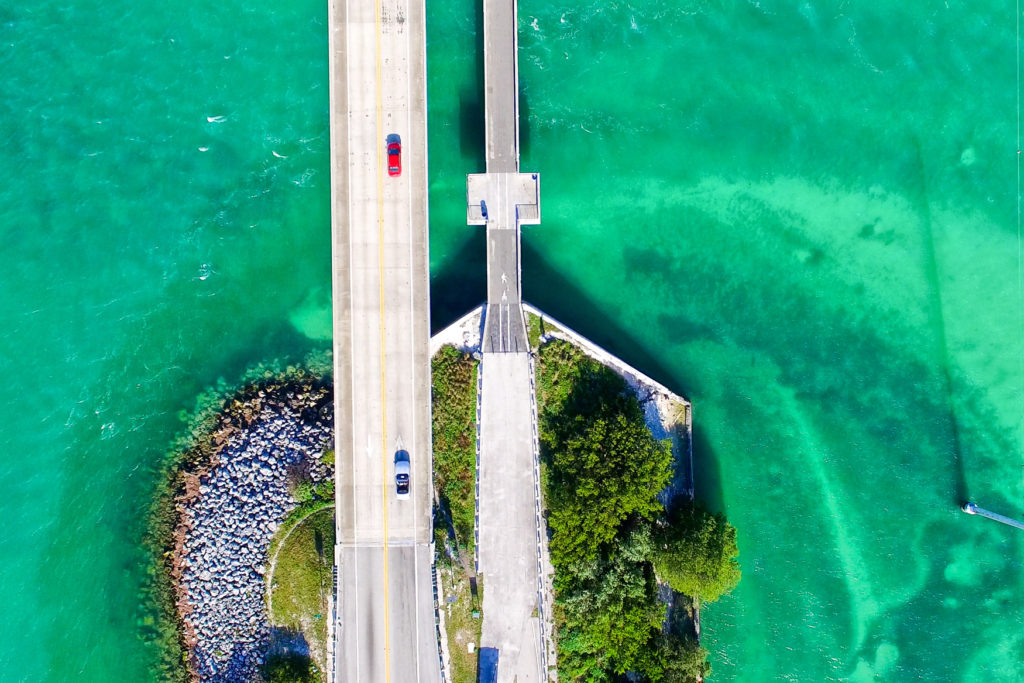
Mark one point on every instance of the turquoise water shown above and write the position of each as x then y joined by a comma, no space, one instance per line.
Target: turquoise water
138,269
803,218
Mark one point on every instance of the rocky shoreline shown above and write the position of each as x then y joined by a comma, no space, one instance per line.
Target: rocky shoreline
233,491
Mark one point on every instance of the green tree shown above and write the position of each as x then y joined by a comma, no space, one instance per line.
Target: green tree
610,469
674,659
603,471
289,668
573,385
579,661
611,610
696,555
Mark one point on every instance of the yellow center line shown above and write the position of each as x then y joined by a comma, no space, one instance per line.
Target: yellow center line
383,361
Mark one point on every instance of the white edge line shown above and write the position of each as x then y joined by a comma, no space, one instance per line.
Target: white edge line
352,379
412,309
425,187
332,71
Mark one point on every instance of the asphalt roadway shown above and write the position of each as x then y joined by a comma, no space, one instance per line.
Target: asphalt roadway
508,508
385,618
508,519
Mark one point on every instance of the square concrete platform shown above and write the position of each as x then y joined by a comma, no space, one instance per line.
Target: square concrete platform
504,197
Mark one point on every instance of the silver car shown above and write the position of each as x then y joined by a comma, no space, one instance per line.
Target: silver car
402,472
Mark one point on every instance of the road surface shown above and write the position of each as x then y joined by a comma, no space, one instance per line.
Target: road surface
384,628
504,199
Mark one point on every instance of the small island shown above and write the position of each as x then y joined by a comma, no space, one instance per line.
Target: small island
242,535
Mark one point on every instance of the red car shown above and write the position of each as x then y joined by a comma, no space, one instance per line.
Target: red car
394,155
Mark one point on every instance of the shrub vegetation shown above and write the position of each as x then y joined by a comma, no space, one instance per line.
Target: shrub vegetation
453,401
602,473
454,433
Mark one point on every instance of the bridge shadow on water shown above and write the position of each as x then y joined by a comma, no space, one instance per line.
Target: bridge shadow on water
471,129
547,289
551,292
917,179
462,284
524,127
471,101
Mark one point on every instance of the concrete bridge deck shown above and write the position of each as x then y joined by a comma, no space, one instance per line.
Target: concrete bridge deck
503,199
384,619
501,86
503,202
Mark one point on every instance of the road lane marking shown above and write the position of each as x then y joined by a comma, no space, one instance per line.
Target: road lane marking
412,308
352,328
383,341
372,544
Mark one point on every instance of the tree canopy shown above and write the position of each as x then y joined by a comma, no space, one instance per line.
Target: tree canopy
602,473
610,469
696,554
604,466
677,660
